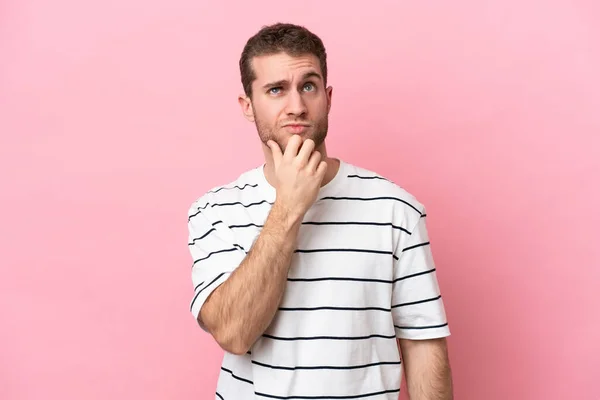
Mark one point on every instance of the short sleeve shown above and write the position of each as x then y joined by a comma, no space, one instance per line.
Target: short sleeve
417,305
215,255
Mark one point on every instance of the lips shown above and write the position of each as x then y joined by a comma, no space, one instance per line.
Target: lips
296,125
296,128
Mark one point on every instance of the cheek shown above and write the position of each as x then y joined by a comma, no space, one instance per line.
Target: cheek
267,113
320,107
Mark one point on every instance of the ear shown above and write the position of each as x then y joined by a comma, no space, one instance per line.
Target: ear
246,105
329,94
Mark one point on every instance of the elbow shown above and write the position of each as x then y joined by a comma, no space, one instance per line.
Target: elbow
232,343
237,348
230,338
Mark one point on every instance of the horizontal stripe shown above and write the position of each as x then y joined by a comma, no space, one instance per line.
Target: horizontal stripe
367,177
342,251
413,275
201,290
200,284
357,223
233,187
349,279
372,199
417,302
239,378
352,279
216,252
339,278
235,203
423,215
360,223
422,327
235,244
240,247
415,246
357,396
221,397
334,308
202,237
245,226
329,337
193,215
334,367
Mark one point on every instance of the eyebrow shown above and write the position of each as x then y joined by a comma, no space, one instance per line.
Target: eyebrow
283,82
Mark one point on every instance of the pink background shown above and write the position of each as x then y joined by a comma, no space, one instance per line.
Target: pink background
115,115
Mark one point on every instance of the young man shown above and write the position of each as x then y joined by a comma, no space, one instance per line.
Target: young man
310,272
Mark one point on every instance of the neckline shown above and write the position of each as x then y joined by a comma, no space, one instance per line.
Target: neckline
325,190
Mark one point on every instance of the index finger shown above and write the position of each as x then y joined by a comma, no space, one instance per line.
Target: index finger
276,152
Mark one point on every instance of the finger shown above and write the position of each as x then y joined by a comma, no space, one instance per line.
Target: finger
276,152
293,145
306,151
313,162
322,169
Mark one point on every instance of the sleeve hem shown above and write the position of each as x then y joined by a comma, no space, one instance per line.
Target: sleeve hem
199,299
424,334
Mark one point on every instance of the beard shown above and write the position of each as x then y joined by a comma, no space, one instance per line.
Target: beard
317,132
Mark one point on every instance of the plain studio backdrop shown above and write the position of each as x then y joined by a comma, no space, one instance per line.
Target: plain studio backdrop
116,115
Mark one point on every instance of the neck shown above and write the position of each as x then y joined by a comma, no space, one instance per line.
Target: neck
333,165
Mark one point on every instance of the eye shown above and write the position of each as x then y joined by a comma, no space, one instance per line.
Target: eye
309,87
274,90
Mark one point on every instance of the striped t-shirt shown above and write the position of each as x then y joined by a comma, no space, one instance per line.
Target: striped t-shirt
361,277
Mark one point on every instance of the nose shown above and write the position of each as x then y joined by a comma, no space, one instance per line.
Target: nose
295,104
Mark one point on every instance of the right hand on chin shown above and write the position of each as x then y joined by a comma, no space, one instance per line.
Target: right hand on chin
299,172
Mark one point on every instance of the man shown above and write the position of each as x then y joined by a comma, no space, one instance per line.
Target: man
310,272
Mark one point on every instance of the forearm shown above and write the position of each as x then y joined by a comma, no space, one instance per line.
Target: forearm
242,308
427,368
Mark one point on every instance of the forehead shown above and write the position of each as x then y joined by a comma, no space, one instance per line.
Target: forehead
282,66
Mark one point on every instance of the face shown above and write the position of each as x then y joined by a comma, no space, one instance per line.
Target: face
288,97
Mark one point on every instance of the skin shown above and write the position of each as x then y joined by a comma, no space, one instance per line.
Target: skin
289,107
289,90
241,309
427,369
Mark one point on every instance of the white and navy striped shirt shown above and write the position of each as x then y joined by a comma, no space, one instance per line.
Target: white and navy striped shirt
362,275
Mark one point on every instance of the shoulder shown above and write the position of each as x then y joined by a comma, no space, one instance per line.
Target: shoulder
225,192
374,184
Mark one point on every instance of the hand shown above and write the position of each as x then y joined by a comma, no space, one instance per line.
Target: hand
299,173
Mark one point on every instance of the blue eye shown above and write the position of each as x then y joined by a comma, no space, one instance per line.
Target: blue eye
274,90
310,87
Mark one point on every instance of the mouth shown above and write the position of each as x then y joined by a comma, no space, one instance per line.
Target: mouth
296,128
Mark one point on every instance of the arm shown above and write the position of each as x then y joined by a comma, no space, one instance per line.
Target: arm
240,309
427,369
420,317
